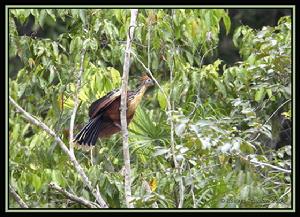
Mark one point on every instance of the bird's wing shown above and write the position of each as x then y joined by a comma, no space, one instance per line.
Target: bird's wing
102,103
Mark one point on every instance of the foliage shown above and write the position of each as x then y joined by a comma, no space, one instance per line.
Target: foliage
226,117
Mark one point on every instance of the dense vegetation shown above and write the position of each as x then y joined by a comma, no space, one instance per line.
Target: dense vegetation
231,123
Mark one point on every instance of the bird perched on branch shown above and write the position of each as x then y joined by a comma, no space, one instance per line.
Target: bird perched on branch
104,114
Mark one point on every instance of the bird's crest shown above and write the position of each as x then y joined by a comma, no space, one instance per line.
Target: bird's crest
143,78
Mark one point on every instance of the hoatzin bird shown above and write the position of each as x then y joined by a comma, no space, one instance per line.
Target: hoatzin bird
104,114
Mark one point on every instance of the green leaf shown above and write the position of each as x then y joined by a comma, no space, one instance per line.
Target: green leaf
24,130
259,94
269,92
161,151
179,129
34,141
247,148
16,131
155,63
227,23
40,51
190,57
36,182
115,76
75,45
42,18
21,90
240,178
82,14
32,166
287,114
52,73
161,100
55,49
51,14
245,192
236,36
55,176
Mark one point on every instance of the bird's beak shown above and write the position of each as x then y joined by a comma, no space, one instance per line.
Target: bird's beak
152,83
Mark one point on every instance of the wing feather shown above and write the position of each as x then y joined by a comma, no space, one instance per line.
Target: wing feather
99,105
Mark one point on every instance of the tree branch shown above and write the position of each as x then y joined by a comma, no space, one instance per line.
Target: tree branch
123,108
72,120
252,140
18,199
73,197
72,158
172,140
258,163
262,164
170,118
152,77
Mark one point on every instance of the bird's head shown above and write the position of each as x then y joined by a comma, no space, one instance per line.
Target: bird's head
146,80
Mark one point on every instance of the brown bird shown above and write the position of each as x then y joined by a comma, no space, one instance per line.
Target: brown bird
104,114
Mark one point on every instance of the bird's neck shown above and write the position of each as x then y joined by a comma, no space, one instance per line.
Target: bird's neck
136,98
141,89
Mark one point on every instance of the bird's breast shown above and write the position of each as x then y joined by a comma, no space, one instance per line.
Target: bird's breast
133,104
135,101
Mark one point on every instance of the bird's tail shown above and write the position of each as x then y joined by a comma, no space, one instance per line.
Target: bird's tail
87,137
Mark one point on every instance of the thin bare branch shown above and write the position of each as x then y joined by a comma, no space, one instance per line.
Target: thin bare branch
149,44
72,158
169,114
18,199
123,108
73,197
270,119
262,164
170,118
193,196
73,116
152,77
206,54
172,140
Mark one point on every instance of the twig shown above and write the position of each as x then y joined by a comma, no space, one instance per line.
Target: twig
276,111
169,114
149,44
206,54
262,164
72,158
193,196
288,191
172,140
73,197
192,186
152,77
181,187
269,119
269,165
123,108
72,120
18,199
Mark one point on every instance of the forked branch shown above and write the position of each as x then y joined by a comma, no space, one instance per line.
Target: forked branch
72,158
